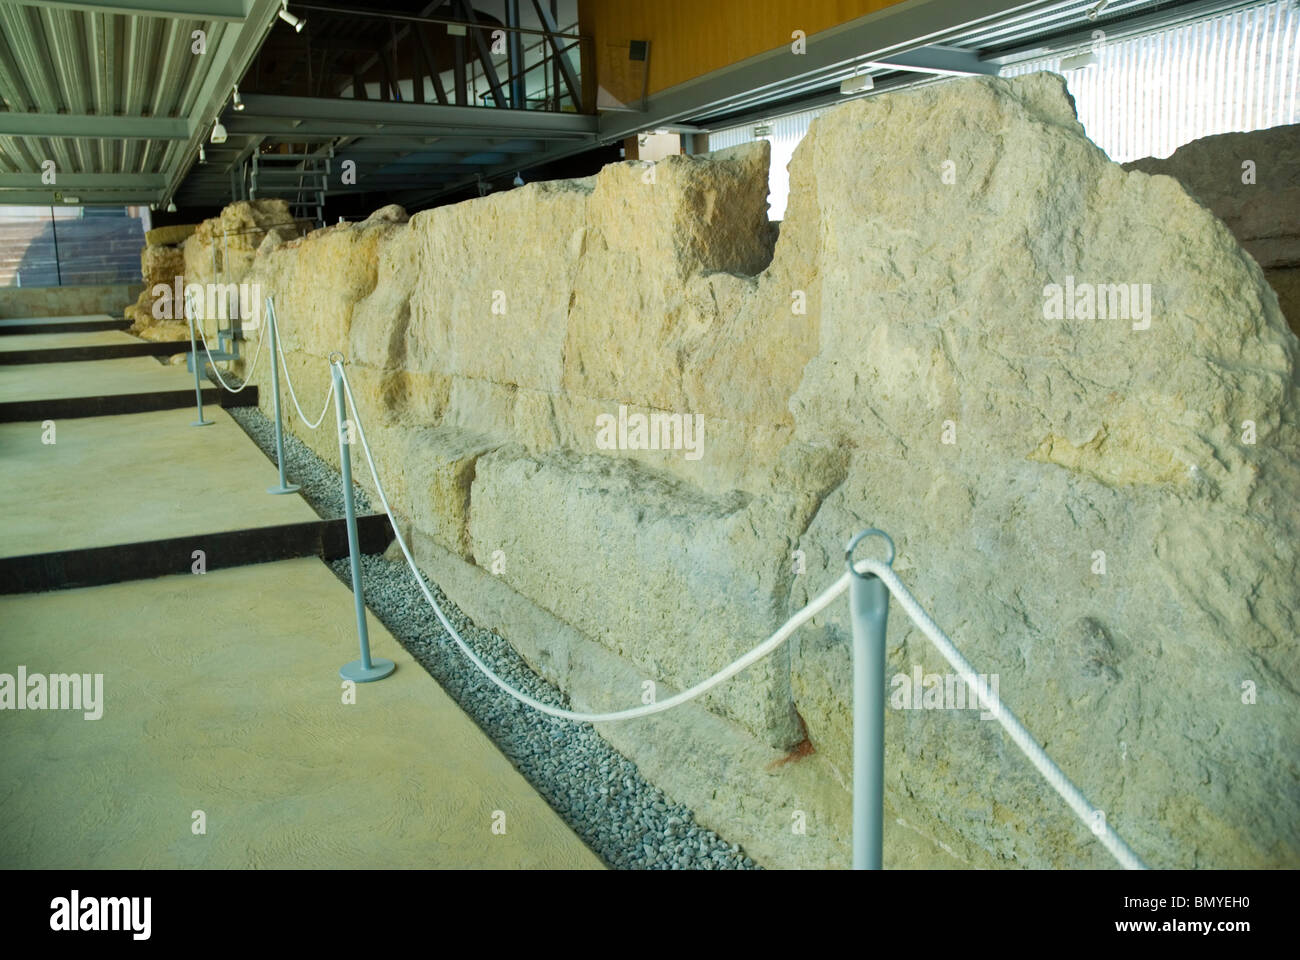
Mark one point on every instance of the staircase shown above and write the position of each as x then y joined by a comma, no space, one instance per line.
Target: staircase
300,178
101,246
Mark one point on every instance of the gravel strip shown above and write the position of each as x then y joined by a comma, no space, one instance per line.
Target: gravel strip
598,792
321,485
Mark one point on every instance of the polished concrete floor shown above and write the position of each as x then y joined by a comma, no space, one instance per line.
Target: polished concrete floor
58,341
89,378
131,478
221,699
221,694
50,321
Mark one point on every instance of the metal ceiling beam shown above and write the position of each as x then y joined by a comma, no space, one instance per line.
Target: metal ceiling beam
238,45
291,131
876,37
561,55
139,182
227,10
887,33
484,53
270,114
68,126
80,198
936,59
1073,38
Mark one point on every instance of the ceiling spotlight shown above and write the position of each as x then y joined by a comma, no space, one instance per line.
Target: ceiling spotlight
518,181
1095,12
218,133
235,101
295,22
203,154
171,206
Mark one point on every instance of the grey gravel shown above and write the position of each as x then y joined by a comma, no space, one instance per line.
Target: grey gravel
598,792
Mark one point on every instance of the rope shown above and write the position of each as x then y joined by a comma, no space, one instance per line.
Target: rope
248,377
1091,817
284,365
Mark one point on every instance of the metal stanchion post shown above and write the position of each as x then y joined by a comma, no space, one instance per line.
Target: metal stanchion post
365,669
198,364
869,607
274,332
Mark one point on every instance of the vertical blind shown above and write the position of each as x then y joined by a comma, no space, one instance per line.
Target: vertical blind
1147,96
1143,96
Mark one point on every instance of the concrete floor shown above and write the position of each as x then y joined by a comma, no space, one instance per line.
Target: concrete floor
24,321
126,479
221,693
55,341
90,378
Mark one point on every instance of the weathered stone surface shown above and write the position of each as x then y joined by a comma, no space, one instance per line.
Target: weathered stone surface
1071,437
159,264
221,249
169,236
1252,183
898,310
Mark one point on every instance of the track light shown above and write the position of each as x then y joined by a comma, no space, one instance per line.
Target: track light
1078,61
235,101
218,133
203,154
296,22
171,207
858,83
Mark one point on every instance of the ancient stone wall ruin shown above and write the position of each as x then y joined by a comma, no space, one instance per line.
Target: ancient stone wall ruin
1095,499
1250,181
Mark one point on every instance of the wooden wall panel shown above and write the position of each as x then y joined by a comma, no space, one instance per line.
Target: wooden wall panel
689,38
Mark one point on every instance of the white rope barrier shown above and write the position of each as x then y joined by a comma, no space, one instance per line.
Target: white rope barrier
284,365
1091,817
248,377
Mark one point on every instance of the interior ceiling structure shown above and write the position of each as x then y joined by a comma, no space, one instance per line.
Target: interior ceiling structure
114,94
111,93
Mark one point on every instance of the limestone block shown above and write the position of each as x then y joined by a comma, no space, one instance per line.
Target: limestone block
677,582
489,302
1251,181
636,317
169,236
1071,439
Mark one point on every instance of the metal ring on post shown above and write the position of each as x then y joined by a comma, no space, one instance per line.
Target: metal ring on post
334,353
848,551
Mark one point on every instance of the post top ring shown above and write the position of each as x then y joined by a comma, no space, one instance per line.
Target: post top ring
871,532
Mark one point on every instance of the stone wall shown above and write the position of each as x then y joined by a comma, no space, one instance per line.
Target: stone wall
1100,511
1251,181
67,301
